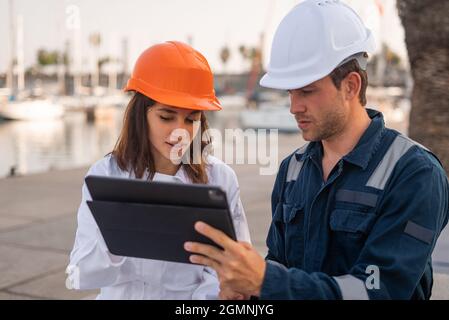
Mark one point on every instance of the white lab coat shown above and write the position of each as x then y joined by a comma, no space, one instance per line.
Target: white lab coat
92,266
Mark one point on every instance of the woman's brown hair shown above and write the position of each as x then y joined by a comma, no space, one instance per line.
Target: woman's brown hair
132,150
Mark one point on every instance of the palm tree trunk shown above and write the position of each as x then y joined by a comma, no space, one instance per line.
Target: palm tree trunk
426,24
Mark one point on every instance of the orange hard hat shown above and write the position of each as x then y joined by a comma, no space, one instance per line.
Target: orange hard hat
175,74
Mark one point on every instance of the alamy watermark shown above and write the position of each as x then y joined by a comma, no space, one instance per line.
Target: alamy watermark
235,146
73,277
73,17
373,280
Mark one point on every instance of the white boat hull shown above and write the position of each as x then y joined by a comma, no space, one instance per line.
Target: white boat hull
31,110
269,118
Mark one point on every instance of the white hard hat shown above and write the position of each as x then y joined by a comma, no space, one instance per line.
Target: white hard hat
313,39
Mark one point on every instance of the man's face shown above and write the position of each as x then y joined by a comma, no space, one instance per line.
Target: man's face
319,110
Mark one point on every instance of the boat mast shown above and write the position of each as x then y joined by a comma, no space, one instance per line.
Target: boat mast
10,74
20,55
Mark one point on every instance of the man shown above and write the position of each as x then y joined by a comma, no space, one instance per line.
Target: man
357,210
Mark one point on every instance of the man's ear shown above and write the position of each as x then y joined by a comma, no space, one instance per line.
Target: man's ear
351,86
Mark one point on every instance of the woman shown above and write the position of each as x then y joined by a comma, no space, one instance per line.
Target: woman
173,87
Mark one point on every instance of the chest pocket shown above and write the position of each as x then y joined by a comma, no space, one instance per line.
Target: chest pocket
293,222
354,214
275,239
350,229
355,223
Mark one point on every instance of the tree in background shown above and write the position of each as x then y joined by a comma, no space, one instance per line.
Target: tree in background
224,56
95,42
48,58
254,56
426,24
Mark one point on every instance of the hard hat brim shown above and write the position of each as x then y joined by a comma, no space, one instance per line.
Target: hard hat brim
268,81
174,99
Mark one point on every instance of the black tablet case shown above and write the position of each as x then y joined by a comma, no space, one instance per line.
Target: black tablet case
152,220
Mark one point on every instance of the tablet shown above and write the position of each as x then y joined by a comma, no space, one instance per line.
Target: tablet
152,220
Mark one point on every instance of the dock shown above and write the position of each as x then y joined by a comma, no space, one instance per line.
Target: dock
38,223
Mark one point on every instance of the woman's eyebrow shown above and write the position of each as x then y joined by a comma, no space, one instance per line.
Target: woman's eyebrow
194,112
168,110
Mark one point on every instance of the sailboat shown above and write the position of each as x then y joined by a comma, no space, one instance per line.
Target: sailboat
269,115
20,105
31,109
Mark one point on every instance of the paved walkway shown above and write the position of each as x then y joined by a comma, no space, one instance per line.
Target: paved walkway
38,223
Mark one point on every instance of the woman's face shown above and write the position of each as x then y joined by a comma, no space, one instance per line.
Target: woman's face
171,130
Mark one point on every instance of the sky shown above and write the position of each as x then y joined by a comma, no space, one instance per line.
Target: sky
208,24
